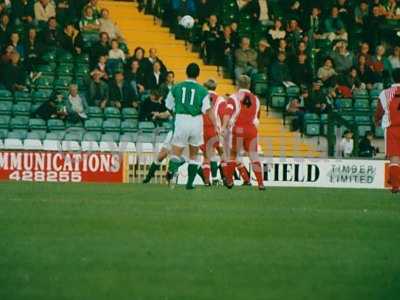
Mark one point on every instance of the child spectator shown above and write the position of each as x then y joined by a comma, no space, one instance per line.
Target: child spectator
115,52
346,146
366,149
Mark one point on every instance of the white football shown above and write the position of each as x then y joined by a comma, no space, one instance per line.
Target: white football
187,22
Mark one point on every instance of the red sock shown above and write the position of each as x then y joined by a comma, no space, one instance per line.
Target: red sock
257,169
243,173
206,173
223,167
394,175
228,172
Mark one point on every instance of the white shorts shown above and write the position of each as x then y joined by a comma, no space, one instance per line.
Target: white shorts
167,142
188,131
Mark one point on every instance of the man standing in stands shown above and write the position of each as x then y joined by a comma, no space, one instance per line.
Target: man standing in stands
388,115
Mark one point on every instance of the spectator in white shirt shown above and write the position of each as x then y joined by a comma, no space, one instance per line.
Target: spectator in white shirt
107,25
44,10
115,52
347,144
277,33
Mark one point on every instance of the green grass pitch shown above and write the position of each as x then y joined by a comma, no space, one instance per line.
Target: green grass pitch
65,241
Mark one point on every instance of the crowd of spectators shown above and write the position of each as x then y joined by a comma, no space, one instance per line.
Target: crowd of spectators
30,30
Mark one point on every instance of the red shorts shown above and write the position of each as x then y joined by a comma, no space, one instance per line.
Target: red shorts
245,138
393,141
211,139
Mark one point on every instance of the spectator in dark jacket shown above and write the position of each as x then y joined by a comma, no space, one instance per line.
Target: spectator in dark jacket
98,90
365,148
153,80
121,92
151,107
264,56
301,71
14,75
279,71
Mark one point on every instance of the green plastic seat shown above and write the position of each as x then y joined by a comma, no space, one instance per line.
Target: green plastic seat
6,107
44,83
360,94
37,135
6,95
345,103
278,101
92,136
3,133
41,96
37,124
55,124
293,91
23,97
4,121
82,59
130,113
112,113
110,137
361,105
112,125
312,126
146,126
76,136
94,112
49,56
146,137
19,122
55,135
130,137
129,126
62,84
22,109
17,134
64,56
379,132
95,124
48,69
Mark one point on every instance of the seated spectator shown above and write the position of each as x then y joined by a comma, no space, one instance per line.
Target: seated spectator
365,148
294,34
115,52
350,82
101,67
51,35
98,90
44,10
65,12
89,23
33,50
279,71
70,39
364,72
23,13
327,72
6,55
148,62
153,80
342,58
313,24
100,48
277,32
16,42
317,102
263,8
282,47
93,4
227,50
135,77
264,56
372,27
381,67
364,50
14,75
246,59
334,26
361,13
108,26
211,34
152,107
167,85
394,59
301,71
52,108
392,10
122,93
139,56
76,105
346,145
5,29
296,107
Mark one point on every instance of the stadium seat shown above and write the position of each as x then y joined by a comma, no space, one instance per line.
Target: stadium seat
4,122
344,103
20,134
37,123
52,145
13,144
6,95
3,133
127,142
73,135
129,126
19,122
130,113
23,97
112,113
43,83
293,92
47,70
82,59
379,132
129,137
55,124
49,56
22,109
363,123
6,107
36,135
146,126
63,56
33,144
109,142
94,112
92,136
69,145
90,141
360,94
261,84
361,105
95,124
55,135
312,125
62,83
112,125
41,96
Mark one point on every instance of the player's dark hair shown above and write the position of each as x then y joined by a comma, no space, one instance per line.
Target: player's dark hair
210,84
193,70
396,75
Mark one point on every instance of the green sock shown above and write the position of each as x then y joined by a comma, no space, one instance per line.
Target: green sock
214,169
174,164
152,171
200,173
192,171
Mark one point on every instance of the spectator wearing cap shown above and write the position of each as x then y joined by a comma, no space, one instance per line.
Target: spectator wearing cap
76,105
246,59
264,56
98,90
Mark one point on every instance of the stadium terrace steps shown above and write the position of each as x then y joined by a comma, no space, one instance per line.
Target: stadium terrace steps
141,30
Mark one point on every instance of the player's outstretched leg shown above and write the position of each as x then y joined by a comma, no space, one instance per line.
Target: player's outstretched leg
155,166
174,164
192,172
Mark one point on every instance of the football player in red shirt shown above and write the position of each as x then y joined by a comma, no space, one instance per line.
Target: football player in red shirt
388,116
240,126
